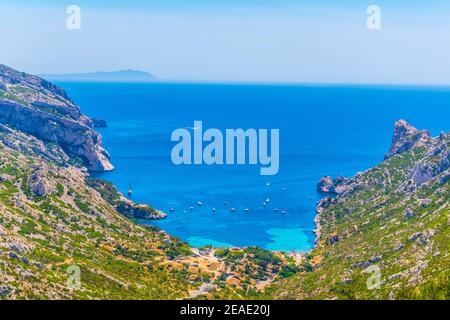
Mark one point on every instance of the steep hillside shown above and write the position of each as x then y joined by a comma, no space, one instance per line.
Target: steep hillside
50,220
385,233
37,107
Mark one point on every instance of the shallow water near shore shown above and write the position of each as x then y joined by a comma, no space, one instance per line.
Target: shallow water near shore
324,130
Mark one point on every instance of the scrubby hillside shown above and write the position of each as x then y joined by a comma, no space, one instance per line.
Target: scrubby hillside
386,234
51,223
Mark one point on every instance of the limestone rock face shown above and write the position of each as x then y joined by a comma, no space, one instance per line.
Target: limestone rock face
422,173
32,146
40,183
39,108
326,184
5,290
338,186
429,168
99,123
407,137
139,211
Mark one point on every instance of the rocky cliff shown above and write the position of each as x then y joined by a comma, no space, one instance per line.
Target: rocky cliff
407,137
338,186
37,107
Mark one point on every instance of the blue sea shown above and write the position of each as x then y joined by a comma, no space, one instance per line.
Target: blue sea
324,130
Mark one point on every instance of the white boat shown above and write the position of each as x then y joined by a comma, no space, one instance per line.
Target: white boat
130,190
199,203
233,210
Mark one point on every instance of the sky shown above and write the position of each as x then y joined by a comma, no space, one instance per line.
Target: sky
276,41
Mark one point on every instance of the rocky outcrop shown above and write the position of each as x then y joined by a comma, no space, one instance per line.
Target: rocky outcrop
123,205
99,123
139,211
74,137
339,185
40,183
30,145
422,173
434,162
332,239
39,108
5,290
407,137
326,184
429,168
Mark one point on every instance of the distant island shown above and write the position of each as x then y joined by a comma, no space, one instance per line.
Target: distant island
102,76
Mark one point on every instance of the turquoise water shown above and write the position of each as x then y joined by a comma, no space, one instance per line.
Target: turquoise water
323,131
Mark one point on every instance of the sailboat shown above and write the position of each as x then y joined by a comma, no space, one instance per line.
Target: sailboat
284,201
130,191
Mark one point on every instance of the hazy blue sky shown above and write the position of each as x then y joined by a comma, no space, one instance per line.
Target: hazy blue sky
320,41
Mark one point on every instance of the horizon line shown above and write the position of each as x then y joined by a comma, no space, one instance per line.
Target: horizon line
258,83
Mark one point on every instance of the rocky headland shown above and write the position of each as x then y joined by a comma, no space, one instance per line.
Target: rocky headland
38,119
37,107
99,123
